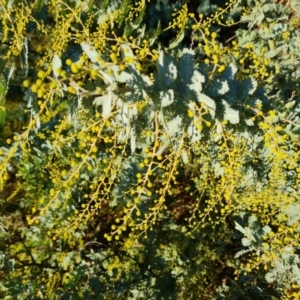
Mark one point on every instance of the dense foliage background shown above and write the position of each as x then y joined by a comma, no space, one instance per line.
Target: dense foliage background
149,149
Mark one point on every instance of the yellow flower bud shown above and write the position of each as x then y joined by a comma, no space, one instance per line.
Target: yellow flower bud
69,62
94,73
26,83
74,68
113,57
34,88
40,93
190,113
39,82
53,85
41,74
71,90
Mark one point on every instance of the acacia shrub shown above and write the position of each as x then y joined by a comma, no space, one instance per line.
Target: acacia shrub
137,162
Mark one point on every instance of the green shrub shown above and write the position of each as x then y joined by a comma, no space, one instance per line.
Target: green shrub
157,163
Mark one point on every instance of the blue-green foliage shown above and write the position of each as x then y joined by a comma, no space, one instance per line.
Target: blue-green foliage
174,257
